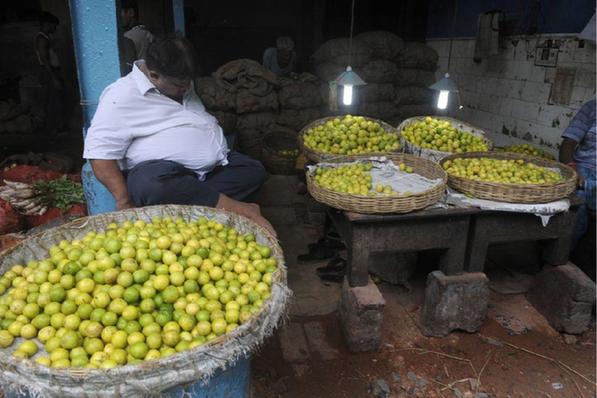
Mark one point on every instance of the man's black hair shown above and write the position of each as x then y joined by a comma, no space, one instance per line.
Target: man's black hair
172,56
130,5
46,17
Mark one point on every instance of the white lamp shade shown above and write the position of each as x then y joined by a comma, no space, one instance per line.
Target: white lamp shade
349,78
445,84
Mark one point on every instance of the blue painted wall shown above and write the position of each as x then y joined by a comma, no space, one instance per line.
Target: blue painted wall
458,18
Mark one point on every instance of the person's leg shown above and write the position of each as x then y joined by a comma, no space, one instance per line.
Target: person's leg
165,182
239,179
589,196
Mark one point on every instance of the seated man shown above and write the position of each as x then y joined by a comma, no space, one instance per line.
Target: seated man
280,59
151,140
578,151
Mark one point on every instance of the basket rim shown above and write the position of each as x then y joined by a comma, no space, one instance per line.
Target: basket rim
279,282
512,156
318,156
433,193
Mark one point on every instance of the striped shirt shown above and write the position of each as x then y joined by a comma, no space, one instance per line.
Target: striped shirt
582,130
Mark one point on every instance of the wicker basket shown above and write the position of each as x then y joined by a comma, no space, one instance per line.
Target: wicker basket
275,162
26,377
385,204
433,154
514,193
317,156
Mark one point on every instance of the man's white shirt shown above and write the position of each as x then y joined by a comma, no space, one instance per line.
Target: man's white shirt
134,123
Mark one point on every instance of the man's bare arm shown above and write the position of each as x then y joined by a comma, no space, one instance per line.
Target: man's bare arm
109,174
567,149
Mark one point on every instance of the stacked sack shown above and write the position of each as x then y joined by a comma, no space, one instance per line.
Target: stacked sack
397,73
17,118
252,101
416,64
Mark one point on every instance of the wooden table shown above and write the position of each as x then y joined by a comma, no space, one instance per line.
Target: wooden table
488,227
464,234
363,234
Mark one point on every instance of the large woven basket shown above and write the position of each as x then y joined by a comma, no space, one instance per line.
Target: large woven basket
433,154
317,156
384,204
148,378
514,193
272,159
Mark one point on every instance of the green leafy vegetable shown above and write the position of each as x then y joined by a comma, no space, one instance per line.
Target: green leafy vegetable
61,193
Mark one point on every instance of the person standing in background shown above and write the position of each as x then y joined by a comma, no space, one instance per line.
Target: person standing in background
280,59
133,29
49,74
578,150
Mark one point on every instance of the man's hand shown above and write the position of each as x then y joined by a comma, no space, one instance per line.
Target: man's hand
108,173
124,204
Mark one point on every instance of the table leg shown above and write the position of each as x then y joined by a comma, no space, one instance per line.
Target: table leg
358,258
452,260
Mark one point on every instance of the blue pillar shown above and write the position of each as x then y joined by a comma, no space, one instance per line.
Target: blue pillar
95,35
178,12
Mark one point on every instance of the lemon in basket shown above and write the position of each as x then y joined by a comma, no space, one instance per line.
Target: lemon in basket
136,291
350,135
501,171
440,135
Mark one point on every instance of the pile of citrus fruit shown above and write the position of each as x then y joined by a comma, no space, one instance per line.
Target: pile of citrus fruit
354,179
440,135
528,149
350,135
501,171
136,291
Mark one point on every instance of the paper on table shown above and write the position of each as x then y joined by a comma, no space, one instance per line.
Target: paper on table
385,172
542,210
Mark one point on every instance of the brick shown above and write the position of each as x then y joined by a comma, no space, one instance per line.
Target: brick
524,110
565,296
463,48
535,92
538,74
456,302
318,342
554,115
442,47
293,343
585,77
585,54
361,314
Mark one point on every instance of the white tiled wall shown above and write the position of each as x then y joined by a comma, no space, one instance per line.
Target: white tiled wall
509,96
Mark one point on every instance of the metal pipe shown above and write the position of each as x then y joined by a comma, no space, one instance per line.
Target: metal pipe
95,36
178,12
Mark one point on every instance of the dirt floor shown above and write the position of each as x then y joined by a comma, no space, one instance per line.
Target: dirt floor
515,354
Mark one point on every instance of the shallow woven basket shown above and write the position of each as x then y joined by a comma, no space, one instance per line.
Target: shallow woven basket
271,158
148,378
433,154
514,193
317,156
385,204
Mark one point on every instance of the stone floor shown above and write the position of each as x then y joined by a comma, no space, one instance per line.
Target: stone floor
515,354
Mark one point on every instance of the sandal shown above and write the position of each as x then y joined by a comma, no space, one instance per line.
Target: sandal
328,243
337,265
317,253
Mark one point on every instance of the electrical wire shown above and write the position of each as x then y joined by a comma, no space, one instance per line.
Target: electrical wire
351,32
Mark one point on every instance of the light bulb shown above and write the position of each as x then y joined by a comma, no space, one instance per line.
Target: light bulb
442,99
347,96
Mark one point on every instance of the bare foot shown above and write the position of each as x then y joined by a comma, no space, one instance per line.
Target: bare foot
254,213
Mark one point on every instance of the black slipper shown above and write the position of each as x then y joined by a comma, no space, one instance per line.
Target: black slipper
337,265
317,253
328,243
334,278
